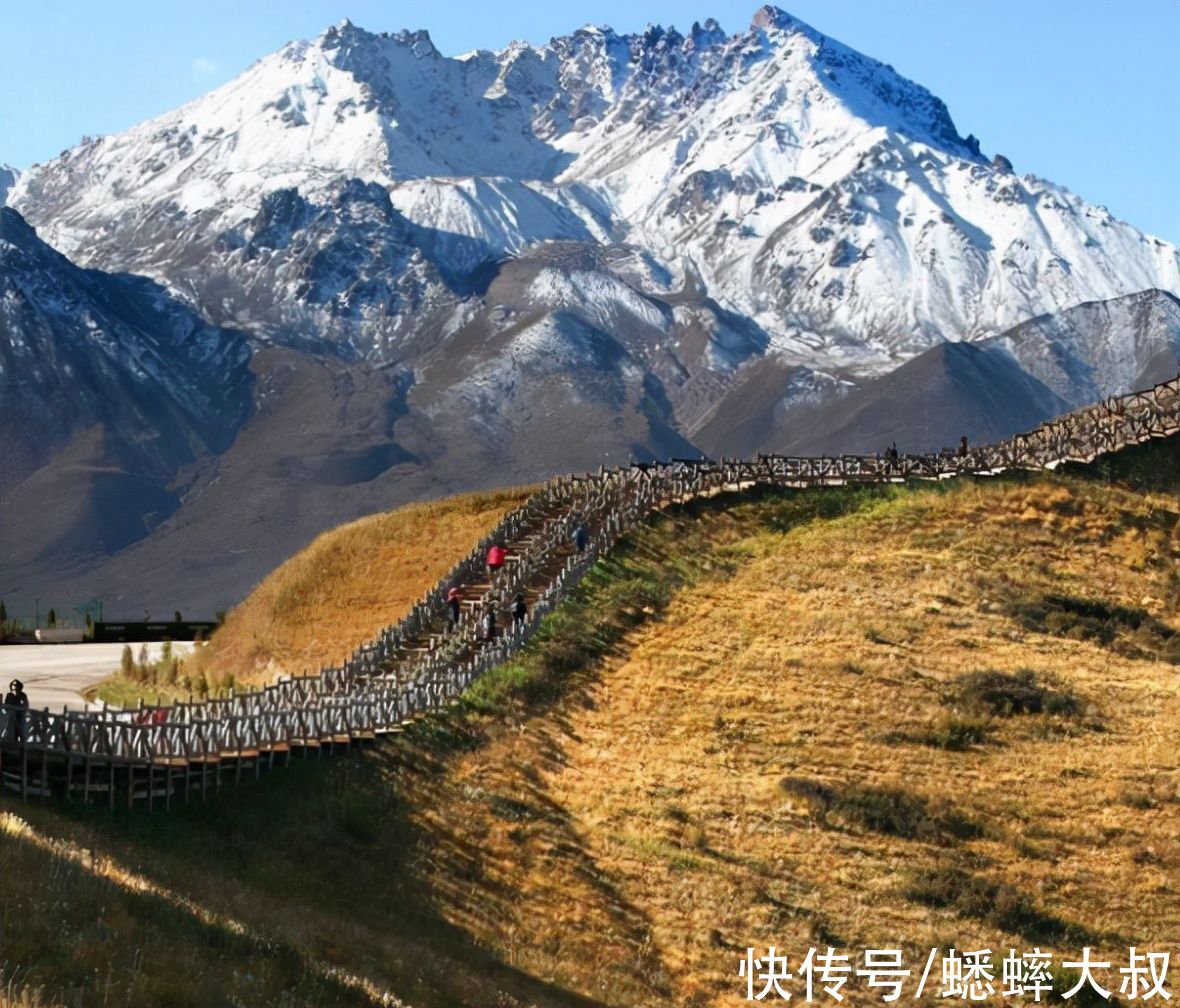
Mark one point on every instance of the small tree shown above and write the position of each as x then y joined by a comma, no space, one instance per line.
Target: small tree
127,662
89,625
51,619
3,612
176,617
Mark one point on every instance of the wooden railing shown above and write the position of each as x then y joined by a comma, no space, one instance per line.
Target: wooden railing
417,665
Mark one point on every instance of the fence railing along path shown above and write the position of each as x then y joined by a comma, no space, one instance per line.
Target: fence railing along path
417,665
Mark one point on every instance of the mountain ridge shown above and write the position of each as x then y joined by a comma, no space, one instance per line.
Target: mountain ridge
450,273
794,178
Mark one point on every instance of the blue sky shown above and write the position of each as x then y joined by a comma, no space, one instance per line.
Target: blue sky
1083,92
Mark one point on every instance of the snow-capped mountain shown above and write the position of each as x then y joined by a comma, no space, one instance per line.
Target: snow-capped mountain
796,183
457,272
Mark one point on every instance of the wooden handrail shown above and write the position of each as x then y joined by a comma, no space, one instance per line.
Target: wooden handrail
415,665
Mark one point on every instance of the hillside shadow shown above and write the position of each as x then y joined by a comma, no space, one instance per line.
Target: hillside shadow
382,863
327,858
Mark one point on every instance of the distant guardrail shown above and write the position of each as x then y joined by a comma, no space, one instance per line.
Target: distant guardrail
143,632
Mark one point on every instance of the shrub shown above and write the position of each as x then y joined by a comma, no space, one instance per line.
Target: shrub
953,733
1005,694
1097,621
883,810
999,906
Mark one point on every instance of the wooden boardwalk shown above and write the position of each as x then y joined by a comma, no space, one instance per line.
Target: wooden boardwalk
154,756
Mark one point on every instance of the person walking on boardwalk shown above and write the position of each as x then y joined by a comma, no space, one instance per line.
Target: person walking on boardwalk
520,611
454,611
489,622
16,702
581,537
496,557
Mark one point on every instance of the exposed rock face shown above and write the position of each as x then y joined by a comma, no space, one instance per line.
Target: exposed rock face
8,177
108,389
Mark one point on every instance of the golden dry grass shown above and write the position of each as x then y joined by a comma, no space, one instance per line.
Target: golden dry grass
635,841
332,596
616,832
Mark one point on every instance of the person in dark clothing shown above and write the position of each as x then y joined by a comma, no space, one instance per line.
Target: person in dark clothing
963,446
16,702
489,623
454,611
581,537
520,612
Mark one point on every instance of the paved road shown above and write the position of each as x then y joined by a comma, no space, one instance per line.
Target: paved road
56,674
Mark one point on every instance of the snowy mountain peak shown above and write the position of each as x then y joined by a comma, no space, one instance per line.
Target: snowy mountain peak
704,36
797,184
347,38
771,18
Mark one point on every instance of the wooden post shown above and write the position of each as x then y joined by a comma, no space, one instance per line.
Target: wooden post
169,769
45,756
188,761
238,743
151,777
69,761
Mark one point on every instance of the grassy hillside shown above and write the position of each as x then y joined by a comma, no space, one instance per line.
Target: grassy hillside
939,715
327,599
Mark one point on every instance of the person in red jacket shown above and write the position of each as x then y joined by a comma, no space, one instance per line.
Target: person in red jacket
496,555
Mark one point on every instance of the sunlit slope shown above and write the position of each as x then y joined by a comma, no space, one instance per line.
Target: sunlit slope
810,745
924,716
351,581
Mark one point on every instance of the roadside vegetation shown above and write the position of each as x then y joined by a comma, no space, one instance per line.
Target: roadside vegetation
791,719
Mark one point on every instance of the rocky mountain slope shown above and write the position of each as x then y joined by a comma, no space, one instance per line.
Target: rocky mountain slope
108,389
357,190
460,272
7,181
1002,386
